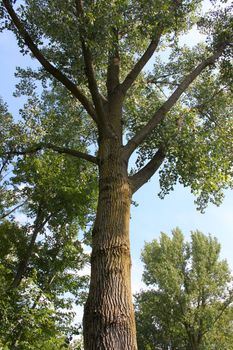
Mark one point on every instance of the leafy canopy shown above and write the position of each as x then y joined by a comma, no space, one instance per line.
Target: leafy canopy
77,43
41,257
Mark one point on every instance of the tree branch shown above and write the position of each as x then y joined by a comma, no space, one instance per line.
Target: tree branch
113,65
3,216
113,72
4,163
143,175
56,73
209,99
90,72
61,150
225,305
136,70
166,107
40,222
131,77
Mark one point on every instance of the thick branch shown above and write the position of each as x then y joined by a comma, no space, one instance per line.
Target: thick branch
93,87
90,72
72,152
113,65
132,76
113,73
143,175
166,107
56,73
62,150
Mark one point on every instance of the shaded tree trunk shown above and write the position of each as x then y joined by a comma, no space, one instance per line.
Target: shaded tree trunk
40,221
194,342
109,316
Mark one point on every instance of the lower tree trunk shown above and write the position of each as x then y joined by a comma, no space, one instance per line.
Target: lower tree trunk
194,343
108,315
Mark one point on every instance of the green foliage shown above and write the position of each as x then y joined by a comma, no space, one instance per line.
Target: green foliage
53,189
40,307
196,127
189,302
197,133
39,312
64,186
57,191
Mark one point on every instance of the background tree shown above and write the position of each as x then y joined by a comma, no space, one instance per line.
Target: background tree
41,258
93,102
189,301
38,312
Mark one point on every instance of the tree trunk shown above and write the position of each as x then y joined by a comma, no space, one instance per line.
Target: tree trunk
40,221
194,344
108,315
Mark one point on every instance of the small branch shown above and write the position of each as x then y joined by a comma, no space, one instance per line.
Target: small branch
12,210
166,107
132,76
209,99
56,73
143,175
158,79
221,311
4,163
61,150
5,175
162,82
40,222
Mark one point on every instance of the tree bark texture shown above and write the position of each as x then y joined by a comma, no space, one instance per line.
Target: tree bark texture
108,316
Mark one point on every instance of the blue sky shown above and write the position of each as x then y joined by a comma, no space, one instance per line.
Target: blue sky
153,215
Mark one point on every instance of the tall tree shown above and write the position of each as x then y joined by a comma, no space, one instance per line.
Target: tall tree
97,94
188,304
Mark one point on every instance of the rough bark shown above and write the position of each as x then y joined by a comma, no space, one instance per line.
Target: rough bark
108,316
